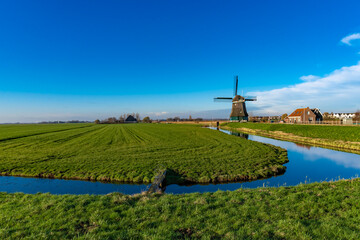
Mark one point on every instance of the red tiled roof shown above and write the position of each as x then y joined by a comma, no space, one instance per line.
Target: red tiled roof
298,112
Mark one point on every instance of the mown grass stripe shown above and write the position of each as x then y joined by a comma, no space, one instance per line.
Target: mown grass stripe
128,153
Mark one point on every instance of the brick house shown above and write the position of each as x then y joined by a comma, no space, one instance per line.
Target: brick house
304,115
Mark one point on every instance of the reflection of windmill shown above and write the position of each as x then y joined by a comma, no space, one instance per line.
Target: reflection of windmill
238,111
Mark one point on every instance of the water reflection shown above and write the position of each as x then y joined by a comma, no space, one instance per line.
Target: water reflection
306,164
242,135
303,146
310,153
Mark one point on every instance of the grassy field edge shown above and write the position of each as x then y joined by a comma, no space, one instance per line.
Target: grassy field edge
131,153
328,210
347,146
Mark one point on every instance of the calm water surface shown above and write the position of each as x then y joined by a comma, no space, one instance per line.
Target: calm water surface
306,164
61,186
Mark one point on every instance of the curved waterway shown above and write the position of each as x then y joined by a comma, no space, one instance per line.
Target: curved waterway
306,164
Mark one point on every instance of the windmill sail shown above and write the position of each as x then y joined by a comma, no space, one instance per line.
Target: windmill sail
236,81
250,98
223,99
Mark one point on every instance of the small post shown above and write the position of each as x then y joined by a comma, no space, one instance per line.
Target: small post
217,125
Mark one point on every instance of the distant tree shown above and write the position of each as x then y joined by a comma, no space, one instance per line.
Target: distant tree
121,119
97,121
326,116
190,118
169,119
357,116
176,119
284,116
111,120
147,120
137,116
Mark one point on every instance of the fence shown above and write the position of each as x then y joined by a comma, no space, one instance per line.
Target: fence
336,122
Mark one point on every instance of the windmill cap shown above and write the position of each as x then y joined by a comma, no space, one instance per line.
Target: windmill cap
238,98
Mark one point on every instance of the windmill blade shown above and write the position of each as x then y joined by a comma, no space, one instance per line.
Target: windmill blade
223,99
250,98
235,85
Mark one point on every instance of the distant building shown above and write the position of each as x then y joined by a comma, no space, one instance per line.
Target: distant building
304,115
342,115
130,119
319,115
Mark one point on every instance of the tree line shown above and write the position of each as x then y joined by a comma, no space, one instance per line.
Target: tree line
122,119
178,119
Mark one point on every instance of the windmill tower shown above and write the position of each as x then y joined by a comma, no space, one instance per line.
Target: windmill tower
238,111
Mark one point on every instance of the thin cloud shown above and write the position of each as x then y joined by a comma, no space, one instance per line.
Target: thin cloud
157,113
309,78
347,40
335,92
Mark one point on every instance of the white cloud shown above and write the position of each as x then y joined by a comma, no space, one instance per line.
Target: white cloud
336,92
347,40
309,78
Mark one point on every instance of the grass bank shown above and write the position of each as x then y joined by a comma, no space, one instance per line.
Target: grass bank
312,211
346,138
131,152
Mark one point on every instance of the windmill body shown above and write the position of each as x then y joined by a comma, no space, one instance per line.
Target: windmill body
238,111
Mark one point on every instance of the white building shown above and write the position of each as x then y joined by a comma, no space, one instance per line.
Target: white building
342,115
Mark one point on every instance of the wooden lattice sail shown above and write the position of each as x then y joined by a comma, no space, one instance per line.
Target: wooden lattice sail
238,111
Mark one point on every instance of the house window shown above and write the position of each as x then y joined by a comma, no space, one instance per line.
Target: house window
308,112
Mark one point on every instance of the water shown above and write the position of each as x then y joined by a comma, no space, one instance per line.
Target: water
60,186
306,164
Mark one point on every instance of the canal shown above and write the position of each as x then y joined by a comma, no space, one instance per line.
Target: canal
307,164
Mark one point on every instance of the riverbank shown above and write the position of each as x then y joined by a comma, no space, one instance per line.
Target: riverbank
328,210
344,138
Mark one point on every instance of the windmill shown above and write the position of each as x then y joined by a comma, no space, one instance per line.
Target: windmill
238,111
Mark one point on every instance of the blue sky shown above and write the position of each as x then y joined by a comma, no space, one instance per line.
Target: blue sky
63,60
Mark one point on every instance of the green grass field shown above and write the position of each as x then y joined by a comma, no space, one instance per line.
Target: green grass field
344,133
313,211
131,152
